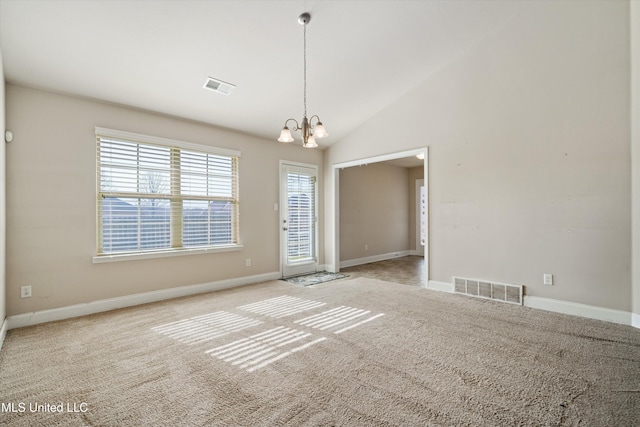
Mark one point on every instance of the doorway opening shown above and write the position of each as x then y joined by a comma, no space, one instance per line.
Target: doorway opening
417,243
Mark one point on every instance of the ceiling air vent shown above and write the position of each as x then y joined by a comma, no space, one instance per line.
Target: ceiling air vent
218,86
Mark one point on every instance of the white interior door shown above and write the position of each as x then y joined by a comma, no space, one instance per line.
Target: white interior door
299,218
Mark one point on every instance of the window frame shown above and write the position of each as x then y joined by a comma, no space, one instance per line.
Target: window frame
175,147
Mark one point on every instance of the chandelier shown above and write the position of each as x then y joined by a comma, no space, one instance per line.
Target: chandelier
308,130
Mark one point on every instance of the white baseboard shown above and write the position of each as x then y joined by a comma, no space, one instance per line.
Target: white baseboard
577,309
564,307
440,286
34,318
373,258
3,331
635,320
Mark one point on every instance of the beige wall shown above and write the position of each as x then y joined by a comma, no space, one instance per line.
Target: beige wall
414,174
529,171
51,213
3,215
374,210
635,142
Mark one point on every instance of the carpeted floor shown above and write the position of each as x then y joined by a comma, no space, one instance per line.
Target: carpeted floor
349,352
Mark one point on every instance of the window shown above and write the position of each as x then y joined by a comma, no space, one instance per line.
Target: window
163,195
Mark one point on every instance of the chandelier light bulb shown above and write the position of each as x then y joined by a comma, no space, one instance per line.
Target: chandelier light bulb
311,142
285,135
320,131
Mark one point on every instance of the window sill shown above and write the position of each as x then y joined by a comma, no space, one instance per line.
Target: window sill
99,259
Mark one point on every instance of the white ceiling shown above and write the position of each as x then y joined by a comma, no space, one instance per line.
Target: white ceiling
156,55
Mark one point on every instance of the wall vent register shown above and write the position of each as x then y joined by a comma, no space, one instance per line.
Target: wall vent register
503,292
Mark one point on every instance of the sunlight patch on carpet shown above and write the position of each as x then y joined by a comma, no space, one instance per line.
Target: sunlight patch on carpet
257,351
342,317
260,350
359,323
206,327
281,306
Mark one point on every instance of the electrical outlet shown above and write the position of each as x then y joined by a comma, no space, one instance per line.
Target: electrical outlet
548,279
25,291
366,247
248,262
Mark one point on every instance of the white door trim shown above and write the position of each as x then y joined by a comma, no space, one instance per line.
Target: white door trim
306,267
419,248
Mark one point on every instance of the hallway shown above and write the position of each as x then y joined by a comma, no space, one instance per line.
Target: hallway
408,270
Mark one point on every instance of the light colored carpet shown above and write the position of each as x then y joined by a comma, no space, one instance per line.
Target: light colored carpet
351,352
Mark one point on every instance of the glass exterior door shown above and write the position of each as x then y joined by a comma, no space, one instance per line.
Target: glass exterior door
298,219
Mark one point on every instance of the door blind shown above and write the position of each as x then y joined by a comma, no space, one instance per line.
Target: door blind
301,217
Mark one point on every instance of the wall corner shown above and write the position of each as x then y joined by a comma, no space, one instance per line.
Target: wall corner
635,160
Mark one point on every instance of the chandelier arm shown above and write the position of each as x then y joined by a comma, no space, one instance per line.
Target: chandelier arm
317,120
296,127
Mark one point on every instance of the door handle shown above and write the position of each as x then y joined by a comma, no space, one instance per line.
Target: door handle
284,228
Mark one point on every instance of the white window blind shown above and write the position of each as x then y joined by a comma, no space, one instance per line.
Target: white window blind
301,217
156,194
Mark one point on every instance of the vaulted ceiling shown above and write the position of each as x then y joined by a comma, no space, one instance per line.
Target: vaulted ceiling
156,55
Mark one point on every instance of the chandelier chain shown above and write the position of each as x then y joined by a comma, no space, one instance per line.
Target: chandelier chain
305,70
